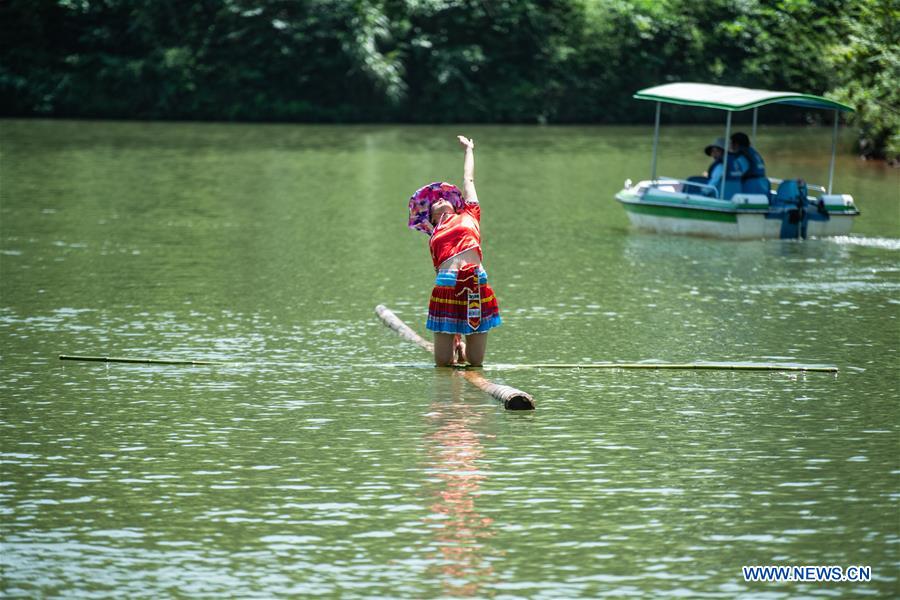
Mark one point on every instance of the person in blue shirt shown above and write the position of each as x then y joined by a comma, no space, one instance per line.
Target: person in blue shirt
753,179
737,166
716,151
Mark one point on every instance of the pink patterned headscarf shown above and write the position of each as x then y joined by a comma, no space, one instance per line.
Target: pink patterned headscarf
420,203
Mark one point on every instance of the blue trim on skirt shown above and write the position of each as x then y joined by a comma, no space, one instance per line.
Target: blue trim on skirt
462,328
448,278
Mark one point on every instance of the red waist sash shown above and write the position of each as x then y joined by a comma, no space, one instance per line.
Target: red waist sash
469,287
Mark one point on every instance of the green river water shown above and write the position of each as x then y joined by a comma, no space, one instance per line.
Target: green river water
328,458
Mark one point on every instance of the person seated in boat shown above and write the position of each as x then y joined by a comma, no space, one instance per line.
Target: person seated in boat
737,166
753,180
462,302
714,151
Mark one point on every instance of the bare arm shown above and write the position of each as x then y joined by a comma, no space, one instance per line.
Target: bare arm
468,169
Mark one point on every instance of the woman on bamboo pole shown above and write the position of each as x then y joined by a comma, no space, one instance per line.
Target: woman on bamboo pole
462,302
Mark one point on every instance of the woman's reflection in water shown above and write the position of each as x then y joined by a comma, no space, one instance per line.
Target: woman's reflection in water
456,459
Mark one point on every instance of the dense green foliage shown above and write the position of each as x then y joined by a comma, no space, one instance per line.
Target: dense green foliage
868,66
494,61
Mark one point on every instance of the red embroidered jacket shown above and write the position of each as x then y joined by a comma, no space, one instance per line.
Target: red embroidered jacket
457,233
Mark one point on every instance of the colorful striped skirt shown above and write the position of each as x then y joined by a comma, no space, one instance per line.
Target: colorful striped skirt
463,302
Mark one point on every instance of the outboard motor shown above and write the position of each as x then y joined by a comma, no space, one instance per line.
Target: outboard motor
792,199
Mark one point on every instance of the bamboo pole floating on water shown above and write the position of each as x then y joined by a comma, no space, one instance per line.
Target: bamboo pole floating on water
147,361
388,317
512,398
407,333
694,366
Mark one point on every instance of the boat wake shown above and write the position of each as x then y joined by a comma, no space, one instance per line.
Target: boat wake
852,240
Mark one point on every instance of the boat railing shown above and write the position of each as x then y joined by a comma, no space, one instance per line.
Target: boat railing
678,185
774,181
660,181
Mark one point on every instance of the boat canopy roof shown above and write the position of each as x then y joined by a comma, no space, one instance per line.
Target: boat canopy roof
735,99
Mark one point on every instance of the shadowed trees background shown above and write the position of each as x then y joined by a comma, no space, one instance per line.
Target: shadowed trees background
498,61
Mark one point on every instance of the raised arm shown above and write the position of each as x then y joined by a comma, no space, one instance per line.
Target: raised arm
468,169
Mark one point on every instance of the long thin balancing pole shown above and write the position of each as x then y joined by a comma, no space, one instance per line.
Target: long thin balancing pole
512,398
696,366
146,361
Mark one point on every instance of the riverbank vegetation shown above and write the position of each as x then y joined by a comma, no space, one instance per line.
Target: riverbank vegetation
433,61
